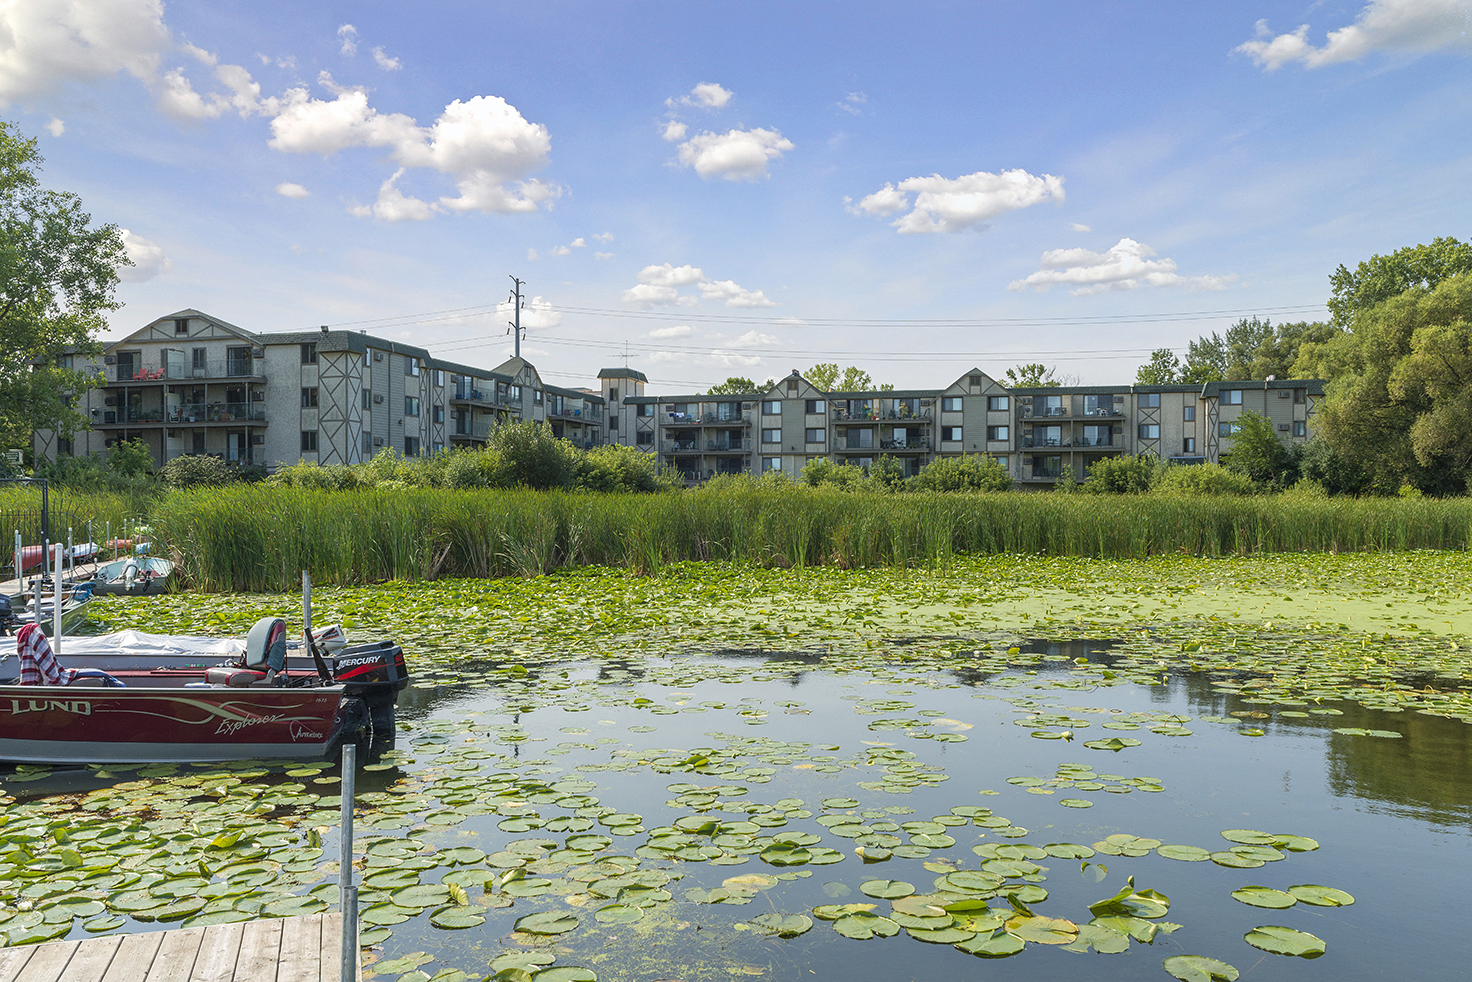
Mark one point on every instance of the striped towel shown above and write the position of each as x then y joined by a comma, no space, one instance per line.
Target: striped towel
38,666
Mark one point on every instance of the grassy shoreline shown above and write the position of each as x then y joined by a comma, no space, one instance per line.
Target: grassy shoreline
255,537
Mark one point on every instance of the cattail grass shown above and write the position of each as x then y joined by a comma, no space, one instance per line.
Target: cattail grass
260,537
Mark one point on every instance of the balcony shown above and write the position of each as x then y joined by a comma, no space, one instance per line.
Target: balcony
682,446
860,414
1029,441
471,430
1095,442
726,446
229,368
1104,411
902,446
727,418
213,412
1029,412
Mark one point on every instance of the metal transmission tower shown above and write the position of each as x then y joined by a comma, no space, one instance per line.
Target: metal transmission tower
517,303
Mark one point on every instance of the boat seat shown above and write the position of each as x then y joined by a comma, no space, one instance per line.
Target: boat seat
237,678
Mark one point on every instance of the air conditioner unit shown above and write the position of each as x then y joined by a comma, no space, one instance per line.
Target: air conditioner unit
258,352
1283,427
257,439
378,356
378,441
109,359
378,398
1284,393
200,372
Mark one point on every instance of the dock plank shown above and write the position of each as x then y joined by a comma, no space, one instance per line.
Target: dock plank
92,958
332,948
135,956
301,950
218,953
260,951
176,955
12,960
49,961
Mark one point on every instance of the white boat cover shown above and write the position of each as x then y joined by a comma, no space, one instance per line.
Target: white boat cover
140,643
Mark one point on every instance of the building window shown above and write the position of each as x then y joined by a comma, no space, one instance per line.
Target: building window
772,407
309,353
860,439
1188,414
1149,400
197,360
367,361
772,464
367,399
439,414
975,381
309,397
1300,428
1096,405
536,397
613,424
613,393
815,406
1300,396
950,404
309,441
367,444
1231,397
1149,431
950,434
1188,445
411,446
1098,436
995,404
439,377
816,435
435,448
1004,461
645,410
64,447
645,439
771,436
1228,429
411,405
995,433
198,441
181,326
792,386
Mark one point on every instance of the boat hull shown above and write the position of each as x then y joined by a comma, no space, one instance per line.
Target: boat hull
85,725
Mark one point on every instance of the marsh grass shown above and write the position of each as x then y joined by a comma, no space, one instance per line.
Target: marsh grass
260,538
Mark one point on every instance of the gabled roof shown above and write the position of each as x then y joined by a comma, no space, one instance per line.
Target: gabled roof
625,372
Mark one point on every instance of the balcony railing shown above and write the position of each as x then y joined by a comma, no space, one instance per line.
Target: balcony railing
1040,441
1103,411
1029,412
904,444
471,430
1095,442
226,368
213,412
682,446
726,446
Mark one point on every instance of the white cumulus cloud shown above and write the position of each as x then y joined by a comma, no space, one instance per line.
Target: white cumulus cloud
674,131
561,250
755,339
348,35
739,155
56,127
578,243
1125,266
604,236
681,331
289,190
660,286
1081,228
46,44
1408,26
537,312
394,205
602,255
148,259
943,204
385,62
706,95
853,103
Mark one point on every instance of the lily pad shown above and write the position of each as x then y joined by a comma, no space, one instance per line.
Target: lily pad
1320,896
1000,945
547,922
886,889
783,926
1186,854
863,925
1285,941
1258,896
1198,968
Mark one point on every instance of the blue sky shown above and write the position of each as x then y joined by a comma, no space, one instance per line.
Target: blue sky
750,188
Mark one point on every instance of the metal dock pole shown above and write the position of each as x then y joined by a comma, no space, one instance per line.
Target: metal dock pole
347,891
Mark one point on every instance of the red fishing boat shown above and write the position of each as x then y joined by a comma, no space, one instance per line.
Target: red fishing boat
143,702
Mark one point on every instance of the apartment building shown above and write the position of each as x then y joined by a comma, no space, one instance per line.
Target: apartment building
1037,434
191,383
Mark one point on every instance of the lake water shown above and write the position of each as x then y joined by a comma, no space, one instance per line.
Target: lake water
692,768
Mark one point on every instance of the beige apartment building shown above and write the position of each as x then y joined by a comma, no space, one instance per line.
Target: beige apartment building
1037,434
190,383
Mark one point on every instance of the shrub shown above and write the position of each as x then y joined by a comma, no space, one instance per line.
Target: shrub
969,472
887,473
1122,475
824,473
619,468
1202,479
1258,453
196,471
533,457
130,458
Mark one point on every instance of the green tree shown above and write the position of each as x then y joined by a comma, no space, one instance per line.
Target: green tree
58,275
1122,475
1253,348
823,375
1031,376
130,458
1258,453
735,385
1164,368
968,472
828,377
1397,404
1379,278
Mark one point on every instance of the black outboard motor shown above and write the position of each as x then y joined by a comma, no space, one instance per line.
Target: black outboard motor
7,616
376,673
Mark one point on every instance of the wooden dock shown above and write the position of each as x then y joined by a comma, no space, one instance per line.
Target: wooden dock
283,949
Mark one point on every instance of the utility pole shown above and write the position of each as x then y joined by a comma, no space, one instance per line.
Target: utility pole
516,302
